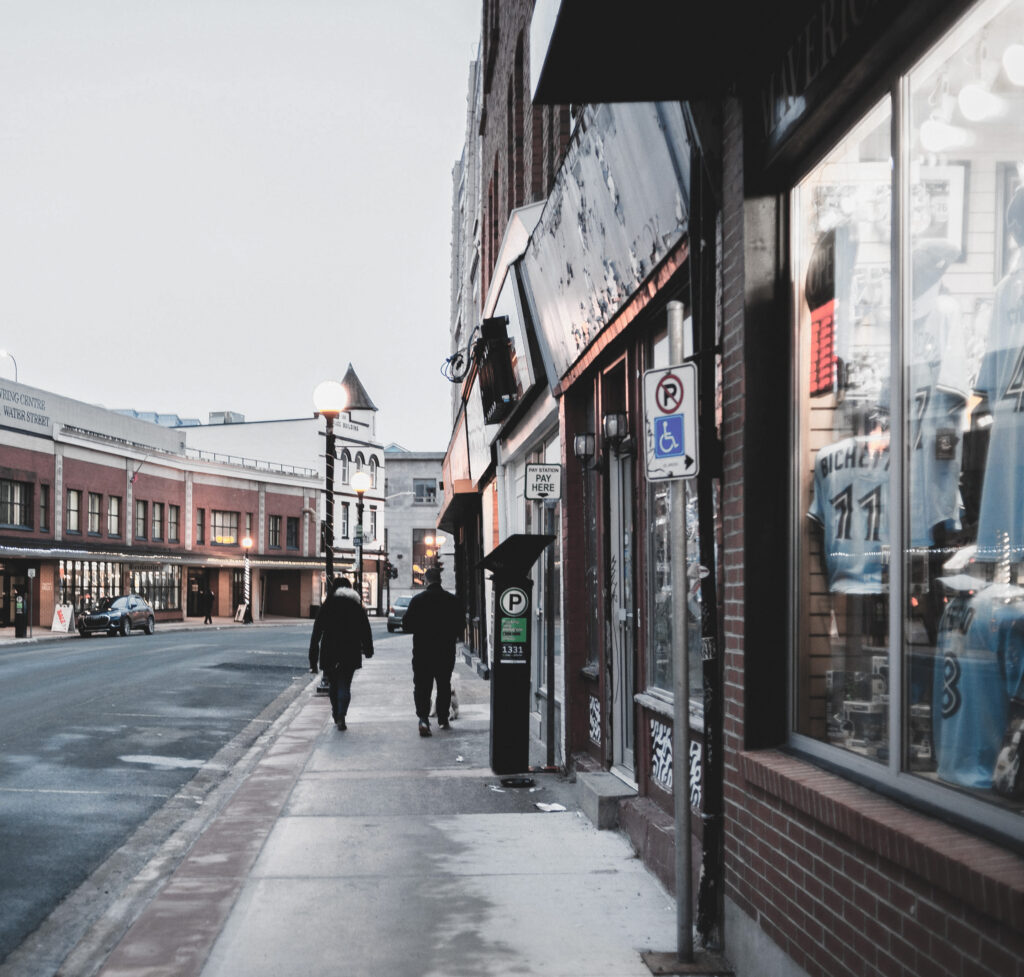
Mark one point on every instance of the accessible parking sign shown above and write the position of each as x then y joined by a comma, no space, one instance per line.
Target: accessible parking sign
670,422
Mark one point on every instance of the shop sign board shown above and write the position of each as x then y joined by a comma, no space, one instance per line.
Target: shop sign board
670,422
543,481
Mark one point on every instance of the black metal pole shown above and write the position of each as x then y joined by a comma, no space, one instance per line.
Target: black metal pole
549,621
359,545
323,687
329,508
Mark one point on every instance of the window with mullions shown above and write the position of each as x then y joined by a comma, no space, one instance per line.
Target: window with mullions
158,520
161,586
74,520
274,532
141,518
292,532
223,528
113,515
15,504
911,606
173,523
95,505
424,491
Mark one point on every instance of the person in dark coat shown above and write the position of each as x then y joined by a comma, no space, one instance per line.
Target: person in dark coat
341,639
435,621
208,598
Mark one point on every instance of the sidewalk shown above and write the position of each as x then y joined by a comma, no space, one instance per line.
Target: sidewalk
376,851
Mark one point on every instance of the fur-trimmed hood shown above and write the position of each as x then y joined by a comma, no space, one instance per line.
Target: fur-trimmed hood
348,593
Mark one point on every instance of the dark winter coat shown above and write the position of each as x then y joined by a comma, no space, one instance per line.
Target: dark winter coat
341,633
435,620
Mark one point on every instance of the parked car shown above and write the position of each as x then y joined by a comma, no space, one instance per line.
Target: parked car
397,611
118,615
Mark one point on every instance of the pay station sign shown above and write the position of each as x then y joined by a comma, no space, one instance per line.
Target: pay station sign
543,481
670,422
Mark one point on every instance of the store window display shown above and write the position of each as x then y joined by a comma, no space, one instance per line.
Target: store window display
949,337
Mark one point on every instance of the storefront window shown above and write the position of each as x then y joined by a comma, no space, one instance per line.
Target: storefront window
161,586
842,236
85,582
964,409
948,376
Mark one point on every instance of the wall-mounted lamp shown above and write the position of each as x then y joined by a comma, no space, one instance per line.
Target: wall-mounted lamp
583,448
615,429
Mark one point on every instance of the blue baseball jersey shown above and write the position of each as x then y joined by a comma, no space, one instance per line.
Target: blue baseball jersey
851,480
979,668
938,385
1001,381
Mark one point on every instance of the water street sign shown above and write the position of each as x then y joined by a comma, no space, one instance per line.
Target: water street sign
543,481
670,422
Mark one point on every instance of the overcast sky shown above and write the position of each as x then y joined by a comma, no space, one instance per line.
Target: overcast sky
215,204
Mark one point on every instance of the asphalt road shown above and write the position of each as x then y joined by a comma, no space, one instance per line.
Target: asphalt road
101,736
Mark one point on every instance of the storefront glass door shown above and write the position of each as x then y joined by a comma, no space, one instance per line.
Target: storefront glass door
622,609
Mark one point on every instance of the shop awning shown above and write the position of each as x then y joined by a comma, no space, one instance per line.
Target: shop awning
464,500
619,208
606,51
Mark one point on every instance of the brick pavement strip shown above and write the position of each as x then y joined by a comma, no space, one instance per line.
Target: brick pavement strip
173,936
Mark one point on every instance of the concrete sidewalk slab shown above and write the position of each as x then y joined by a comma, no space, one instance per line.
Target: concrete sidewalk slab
376,851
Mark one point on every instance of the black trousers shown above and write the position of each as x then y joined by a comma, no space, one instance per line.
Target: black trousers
426,672
339,682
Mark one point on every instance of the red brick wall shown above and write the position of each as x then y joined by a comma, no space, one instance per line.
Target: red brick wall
514,133
845,881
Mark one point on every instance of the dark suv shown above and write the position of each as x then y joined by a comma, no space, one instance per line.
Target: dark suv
118,615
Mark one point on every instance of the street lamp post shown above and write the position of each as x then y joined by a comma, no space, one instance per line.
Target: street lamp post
360,482
8,353
434,544
246,546
329,399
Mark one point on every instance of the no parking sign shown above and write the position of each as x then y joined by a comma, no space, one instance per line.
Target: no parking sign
670,422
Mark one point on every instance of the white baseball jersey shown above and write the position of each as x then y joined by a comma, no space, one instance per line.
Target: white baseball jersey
1001,381
937,390
851,480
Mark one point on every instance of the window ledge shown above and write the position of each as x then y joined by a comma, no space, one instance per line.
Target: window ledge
989,877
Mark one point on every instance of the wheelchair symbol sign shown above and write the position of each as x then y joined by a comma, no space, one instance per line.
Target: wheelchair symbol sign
671,448
669,437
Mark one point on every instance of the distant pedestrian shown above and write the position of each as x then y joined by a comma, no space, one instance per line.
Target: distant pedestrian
435,621
208,599
341,638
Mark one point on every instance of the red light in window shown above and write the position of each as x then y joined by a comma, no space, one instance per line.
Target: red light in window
823,348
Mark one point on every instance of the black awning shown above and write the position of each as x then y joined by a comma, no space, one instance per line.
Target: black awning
608,51
515,555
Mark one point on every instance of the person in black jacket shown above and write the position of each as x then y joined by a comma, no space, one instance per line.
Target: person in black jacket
341,638
435,621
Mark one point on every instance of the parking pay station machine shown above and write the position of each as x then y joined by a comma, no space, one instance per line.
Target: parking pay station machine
509,562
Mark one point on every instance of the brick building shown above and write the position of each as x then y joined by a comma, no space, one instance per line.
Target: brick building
94,503
828,203
509,161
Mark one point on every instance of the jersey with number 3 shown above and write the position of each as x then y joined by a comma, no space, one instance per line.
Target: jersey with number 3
851,478
1001,381
979,668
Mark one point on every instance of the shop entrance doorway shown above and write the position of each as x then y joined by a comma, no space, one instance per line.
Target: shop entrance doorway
622,607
